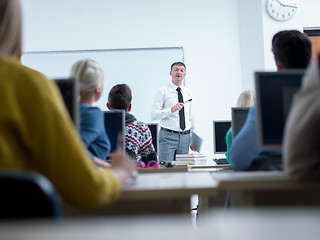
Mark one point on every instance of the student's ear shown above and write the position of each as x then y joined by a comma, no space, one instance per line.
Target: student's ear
98,92
108,106
129,108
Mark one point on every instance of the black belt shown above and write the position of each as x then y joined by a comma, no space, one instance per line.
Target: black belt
177,132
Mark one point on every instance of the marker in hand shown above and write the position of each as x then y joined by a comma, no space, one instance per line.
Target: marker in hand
187,101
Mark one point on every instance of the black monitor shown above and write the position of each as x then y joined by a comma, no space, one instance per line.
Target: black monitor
114,122
274,91
154,132
239,117
220,129
69,91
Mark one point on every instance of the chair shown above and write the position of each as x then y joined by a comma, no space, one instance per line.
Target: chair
26,194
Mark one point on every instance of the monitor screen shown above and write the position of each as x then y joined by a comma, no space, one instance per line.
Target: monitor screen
68,89
220,129
154,132
114,122
239,117
274,91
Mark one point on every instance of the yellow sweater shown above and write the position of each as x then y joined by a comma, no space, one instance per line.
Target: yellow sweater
36,133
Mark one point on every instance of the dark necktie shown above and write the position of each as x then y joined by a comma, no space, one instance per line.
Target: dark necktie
181,112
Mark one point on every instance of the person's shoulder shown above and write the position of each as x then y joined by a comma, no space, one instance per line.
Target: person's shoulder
11,62
33,81
14,65
142,125
252,114
94,111
165,87
229,133
138,124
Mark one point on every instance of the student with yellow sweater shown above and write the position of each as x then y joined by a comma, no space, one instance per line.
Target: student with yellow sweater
36,132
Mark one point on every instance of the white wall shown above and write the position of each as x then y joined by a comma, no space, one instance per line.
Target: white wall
306,16
223,41
206,29
251,40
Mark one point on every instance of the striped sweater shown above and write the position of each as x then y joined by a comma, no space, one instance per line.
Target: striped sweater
139,140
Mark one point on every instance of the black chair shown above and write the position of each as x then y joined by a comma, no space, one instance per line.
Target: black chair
26,194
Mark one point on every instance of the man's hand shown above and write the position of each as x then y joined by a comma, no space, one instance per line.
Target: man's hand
193,148
177,107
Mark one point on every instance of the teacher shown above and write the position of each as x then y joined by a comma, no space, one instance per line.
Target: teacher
173,109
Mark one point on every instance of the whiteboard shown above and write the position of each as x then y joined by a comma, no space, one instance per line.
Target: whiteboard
145,70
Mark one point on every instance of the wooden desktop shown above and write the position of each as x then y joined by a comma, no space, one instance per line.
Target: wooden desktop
170,192
157,193
262,224
267,188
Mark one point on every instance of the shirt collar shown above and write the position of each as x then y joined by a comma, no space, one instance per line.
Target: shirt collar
174,87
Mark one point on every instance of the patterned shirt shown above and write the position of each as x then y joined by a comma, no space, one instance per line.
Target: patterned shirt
139,140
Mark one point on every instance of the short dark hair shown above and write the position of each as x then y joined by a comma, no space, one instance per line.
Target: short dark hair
120,97
178,64
292,49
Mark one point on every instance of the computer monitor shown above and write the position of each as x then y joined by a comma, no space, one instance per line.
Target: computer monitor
154,132
239,117
69,91
114,122
274,93
220,129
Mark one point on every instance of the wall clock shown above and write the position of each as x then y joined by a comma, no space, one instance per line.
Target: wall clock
282,10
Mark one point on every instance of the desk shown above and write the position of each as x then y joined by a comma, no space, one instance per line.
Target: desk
269,188
208,165
163,169
210,168
262,224
202,167
158,193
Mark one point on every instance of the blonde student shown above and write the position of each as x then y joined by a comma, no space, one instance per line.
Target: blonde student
89,74
245,99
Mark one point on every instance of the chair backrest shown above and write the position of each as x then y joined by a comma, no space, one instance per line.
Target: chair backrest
114,122
26,194
154,132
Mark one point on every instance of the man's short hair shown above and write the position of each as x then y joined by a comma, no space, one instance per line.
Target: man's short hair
178,64
291,49
120,97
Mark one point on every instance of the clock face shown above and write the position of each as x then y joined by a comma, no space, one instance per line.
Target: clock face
282,10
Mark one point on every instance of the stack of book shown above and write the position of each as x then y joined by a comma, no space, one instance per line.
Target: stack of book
192,159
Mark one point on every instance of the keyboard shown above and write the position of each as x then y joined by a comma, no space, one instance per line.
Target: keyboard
220,161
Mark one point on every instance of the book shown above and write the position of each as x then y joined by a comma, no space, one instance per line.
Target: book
192,156
192,159
191,162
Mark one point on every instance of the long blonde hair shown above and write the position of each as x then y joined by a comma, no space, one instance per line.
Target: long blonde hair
10,28
246,98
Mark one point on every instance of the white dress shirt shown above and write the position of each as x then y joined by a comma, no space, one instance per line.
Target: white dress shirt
166,98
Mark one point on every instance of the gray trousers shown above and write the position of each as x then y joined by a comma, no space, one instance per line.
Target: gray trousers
171,144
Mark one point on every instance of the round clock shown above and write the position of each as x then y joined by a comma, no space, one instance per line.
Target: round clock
282,10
